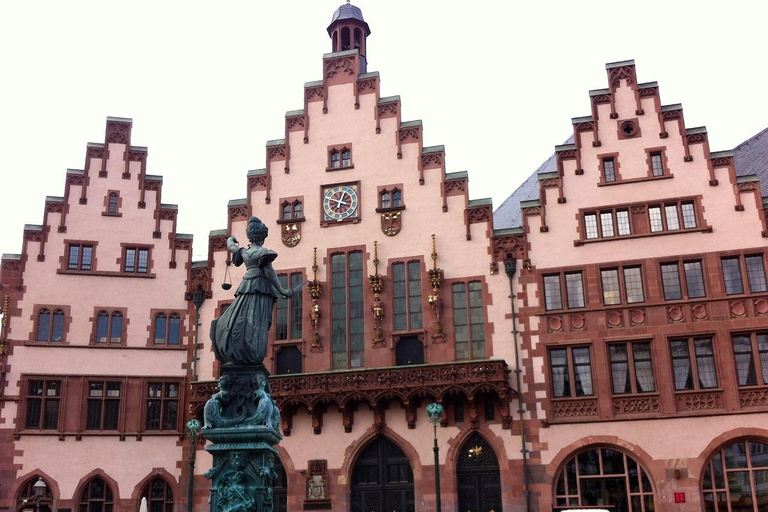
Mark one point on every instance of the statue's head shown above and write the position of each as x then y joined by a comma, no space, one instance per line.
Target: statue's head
257,232
237,460
225,381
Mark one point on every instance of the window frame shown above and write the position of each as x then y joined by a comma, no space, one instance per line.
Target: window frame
336,157
44,398
623,291
52,310
389,189
693,361
163,400
661,152
108,203
563,289
602,159
408,284
103,399
632,362
165,343
616,225
348,311
79,264
137,249
111,314
682,278
744,272
295,207
467,306
293,305
758,358
571,371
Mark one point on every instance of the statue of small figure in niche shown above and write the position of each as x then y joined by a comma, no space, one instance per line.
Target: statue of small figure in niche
267,412
240,335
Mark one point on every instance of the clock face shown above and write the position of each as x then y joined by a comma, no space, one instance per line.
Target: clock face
340,202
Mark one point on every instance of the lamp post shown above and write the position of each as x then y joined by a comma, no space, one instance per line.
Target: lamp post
197,299
39,489
435,413
193,427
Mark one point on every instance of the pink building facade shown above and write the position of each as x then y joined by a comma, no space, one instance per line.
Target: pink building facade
600,339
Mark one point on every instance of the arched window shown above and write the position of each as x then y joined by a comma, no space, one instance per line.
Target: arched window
159,495
287,211
43,324
174,329
604,476
96,497
116,328
102,327
57,332
346,157
397,197
358,38
737,475
112,206
478,477
26,497
382,477
288,360
345,39
386,199
335,162
298,210
161,322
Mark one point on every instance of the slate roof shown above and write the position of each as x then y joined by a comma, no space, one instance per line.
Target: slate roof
751,158
508,215
348,11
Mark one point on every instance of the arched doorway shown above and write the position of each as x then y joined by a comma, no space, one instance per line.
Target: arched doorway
477,476
737,475
604,476
26,499
159,495
280,487
382,479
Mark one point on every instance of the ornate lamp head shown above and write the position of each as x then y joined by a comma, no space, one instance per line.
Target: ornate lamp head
435,412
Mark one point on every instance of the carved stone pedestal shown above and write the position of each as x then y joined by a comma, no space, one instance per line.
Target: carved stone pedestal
243,423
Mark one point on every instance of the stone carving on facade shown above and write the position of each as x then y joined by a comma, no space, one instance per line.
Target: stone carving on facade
738,308
315,292
699,401
391,223
257,183
276,152
316,489
290,234
574,408
340,66
377,308
388,109
435,276
409,134
636,405
314,93
294,122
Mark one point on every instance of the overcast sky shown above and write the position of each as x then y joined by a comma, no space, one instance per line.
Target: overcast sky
208,83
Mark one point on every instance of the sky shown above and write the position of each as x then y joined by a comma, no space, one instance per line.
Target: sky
208,83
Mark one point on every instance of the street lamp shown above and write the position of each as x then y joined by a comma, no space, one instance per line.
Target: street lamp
193,427
39,489
435,413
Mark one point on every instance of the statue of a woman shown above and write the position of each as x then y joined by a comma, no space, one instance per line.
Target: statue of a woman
240,335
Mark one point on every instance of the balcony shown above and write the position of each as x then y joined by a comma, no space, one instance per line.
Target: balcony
375,386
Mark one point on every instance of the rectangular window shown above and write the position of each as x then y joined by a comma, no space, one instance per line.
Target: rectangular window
80,257
732,276
288,311
606,223
694,279
136,260
590,225
670,280
571,365
751,370
43,403
162,406
574,287
673,222
633,282
755,274
609,171
347,310
406,292
552,294
611,289
689,215
632,368
657,166
698,372
654,214
622,221
468,320
103,411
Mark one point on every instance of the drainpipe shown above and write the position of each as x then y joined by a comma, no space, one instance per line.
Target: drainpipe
510,267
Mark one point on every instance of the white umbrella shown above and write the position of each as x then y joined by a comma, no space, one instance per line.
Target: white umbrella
143,507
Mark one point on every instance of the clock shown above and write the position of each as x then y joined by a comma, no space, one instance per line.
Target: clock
340,202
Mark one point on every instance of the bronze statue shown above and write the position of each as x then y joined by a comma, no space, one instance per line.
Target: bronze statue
240,335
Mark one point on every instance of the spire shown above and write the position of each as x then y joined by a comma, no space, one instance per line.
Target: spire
349,31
